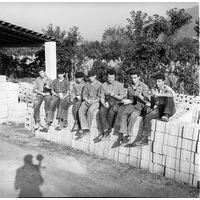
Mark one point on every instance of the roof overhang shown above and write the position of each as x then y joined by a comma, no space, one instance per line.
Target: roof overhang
16,36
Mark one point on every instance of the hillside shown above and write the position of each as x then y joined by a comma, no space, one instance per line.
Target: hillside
188,30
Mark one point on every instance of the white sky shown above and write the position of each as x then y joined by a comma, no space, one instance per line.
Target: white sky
92,18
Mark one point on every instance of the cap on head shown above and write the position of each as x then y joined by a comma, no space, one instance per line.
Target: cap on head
91,73
60,71
159,76
134,72
111,71
40,69
79,75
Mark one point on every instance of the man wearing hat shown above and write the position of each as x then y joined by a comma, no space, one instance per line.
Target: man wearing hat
75,100
60,91
112,92
162,104
91,97
137,96
42,88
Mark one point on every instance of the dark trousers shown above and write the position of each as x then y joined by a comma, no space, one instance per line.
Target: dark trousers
167,108
37,103
106,115
65,106
56,102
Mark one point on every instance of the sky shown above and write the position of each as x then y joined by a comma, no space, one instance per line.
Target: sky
92,18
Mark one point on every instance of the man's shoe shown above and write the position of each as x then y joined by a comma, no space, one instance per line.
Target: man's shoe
126,139
65,123
143,141
46,126
165,118
107,134
84,132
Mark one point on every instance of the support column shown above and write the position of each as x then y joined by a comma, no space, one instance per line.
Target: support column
50,59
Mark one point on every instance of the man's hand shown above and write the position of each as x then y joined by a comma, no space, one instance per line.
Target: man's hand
106,104
78,97
154,92
126,101
111,93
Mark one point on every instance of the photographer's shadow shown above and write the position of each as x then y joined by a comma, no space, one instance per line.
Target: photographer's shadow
28,178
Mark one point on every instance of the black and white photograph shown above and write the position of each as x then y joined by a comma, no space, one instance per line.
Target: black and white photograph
99,99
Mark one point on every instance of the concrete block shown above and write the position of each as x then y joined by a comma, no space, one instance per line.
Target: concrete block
17,114
74,144
159,137
145,154
172,140
171,152
12,100
135,152
3,95
182,176
133,161
3,108
152,137
92,141
174,129
192,165
170,173
144,164
179,142
3,114
122,158
102,144
94,132
188,145
166,138
158,159
99,151
160,126
187,156
114,137
124,150
196,133
2,79
196,181
153,124
9,86
188,132
91,148
18,120
4,101
68,141
158,169
198,147
191,178
14,93
170,162
185,166
19,106
197,170
197,159
151,166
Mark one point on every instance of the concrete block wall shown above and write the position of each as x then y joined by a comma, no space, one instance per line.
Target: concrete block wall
173,150
10,109
26,92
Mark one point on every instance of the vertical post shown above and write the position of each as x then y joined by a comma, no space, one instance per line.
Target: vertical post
50,59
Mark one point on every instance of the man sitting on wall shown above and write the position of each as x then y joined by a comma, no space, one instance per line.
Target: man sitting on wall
91,98
75,100
42,87
137,95
162,104
112,92
60,92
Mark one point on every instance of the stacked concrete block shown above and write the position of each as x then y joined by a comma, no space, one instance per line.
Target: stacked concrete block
19,112
26,92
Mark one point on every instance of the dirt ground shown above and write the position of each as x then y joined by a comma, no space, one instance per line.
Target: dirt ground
65,172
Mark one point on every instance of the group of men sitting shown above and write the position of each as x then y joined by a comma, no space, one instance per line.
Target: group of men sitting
117,106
